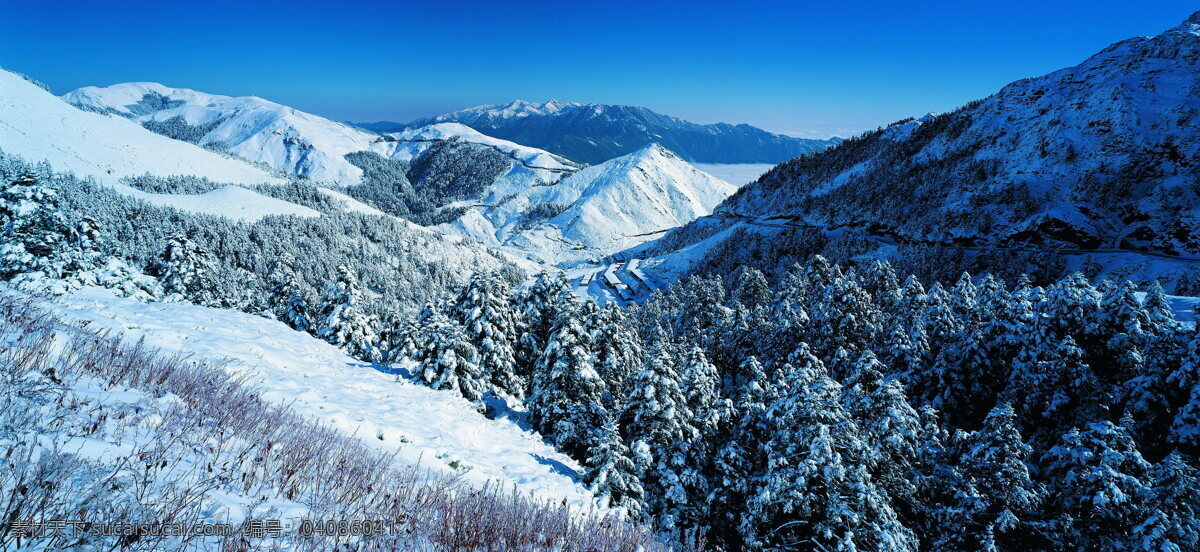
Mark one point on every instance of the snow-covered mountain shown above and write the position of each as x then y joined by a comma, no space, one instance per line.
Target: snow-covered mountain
552,210
607,207
593,133
249,127
1099,156
38,127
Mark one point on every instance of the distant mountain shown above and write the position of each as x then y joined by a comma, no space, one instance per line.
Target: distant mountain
594,133
252,128
1103,155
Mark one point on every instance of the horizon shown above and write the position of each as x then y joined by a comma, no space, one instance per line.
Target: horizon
811,71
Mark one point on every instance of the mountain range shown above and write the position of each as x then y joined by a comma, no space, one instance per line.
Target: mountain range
530,202
593,133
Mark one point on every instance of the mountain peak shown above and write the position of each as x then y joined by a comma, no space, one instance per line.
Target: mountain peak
1191,24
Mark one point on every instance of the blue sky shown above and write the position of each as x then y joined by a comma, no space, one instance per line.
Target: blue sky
803,68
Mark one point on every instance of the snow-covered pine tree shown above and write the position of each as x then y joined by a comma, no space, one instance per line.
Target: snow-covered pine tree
709,412
616,349
750,288
342,321
1159,315
538,306
1005,500
903,355
880,280
815,487
612,474
394,341
32,230
843,316
286,301
737,455
482,309
445,357
1185,428
1100,487
1123,321
656,413
81,255
566,393
187,272
1175,498
890,427
1052,384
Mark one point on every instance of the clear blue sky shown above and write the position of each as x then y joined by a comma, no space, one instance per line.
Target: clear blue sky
798,67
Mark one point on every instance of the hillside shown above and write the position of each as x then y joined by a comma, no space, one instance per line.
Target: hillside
594,133
252,128
1098,156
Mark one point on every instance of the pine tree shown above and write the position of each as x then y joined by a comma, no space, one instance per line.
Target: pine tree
482,309
1159,315
737,457
890,427
1124,321
566,393
612,474
445,357
1185,429
815,488
708,413
880,280
286,301
843,316
538,307
1005,496
1100,486
616,350
750,288
32,230
656,413
187,272
1175,498
342,321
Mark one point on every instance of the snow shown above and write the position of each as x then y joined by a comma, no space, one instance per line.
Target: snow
232,202
37,126
249,127
352,205
432,428
735,173
513,110
624,202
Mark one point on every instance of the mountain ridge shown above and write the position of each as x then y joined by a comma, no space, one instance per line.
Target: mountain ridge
593,133
1092,156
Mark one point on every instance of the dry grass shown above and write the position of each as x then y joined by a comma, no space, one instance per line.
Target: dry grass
215,433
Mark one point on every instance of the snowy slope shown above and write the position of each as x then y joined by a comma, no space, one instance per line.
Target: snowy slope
37,126
248,127
621,203
232,202
433,428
